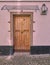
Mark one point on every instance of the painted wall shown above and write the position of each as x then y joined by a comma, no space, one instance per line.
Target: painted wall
41,36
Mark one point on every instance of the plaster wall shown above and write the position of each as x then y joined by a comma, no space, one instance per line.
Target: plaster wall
41,36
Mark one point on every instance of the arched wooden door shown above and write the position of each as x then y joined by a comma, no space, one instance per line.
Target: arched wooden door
21,32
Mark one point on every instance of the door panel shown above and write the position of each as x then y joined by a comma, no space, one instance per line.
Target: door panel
21,32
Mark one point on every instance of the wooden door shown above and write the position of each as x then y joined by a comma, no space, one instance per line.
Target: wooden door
21,32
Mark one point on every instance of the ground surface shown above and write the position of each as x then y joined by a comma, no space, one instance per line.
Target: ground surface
25,59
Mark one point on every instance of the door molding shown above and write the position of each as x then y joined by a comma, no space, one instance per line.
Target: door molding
11,24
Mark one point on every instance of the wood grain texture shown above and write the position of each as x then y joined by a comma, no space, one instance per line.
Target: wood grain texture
21,30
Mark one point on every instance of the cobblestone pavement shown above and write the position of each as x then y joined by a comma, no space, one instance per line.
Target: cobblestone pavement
25,59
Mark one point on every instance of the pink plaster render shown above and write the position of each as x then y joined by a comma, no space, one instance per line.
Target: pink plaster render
41,36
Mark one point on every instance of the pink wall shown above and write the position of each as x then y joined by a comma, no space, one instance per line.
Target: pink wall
41,36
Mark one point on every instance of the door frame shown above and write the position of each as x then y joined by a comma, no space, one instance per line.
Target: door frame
11,25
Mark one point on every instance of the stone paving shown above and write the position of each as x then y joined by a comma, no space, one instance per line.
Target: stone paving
25,59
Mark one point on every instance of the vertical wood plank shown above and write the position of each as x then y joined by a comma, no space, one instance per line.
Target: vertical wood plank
22,32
